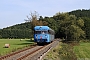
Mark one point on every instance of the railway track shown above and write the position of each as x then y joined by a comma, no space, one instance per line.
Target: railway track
34,53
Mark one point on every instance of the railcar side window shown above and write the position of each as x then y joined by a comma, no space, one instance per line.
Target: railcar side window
51,32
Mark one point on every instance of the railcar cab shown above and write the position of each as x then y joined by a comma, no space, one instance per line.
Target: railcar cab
43,34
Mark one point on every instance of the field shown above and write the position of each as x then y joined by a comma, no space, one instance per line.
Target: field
14,44
82,51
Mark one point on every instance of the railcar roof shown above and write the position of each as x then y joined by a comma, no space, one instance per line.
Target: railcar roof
41,28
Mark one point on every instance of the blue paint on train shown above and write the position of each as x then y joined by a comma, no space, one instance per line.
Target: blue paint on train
43,34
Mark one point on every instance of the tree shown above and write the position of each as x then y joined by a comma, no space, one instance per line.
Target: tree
85,15
35,20
0,36
71,27
86,27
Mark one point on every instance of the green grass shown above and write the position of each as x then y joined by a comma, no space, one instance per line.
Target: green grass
83,50
14,45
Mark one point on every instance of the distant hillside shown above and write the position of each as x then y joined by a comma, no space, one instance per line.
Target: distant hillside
22,30
81,13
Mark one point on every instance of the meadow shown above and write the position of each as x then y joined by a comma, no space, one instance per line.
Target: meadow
83,50
14,45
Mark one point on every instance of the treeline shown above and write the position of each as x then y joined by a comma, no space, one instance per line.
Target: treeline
72,25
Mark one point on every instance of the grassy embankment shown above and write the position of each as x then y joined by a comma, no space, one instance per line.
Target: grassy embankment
62,51
71,51
14,45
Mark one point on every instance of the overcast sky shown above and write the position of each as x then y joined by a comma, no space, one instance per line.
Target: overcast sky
15,11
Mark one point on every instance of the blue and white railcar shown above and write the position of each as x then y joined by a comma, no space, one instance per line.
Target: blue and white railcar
43,34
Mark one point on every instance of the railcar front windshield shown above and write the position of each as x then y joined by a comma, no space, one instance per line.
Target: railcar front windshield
41,32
